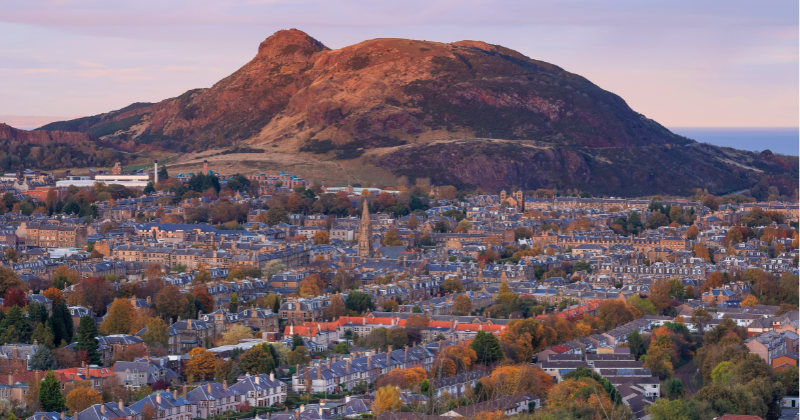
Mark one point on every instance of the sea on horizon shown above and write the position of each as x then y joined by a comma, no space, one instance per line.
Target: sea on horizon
782,140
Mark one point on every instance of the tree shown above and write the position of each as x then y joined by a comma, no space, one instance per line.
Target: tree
9,279
487,348
233,305
15,297
700,318
452,284
298,356
634,224
201,365
397,337
515,380
612,313
692,232
636,344
297,341
272,268
750,300
43,335
202,276
157,333
336,308
308,288
462,305
170,302
233,335
688,293
82,398
276,215
256,361
87,340
201,295
392,238
376,339
64,276
50,396
700,251
386,399
15,327
321,237
119,318
664,409
55,295
643,304
43,360
359,302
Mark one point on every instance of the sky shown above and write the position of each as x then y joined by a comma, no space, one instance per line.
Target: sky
682,63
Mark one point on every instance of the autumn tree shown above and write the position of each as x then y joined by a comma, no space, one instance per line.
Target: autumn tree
452,284
402,378
321,237
750,300
613,313
170,302
392,238
336,308
82,398
157,333
397,337
298,356
257,360
308,288
386,399
201,364
462,305
234,334
700,251
692,232
514,380
56,295
119,318
201,295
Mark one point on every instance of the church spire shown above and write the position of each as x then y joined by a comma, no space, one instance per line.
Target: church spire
365,249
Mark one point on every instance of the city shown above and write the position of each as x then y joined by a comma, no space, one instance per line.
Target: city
417,210
219,296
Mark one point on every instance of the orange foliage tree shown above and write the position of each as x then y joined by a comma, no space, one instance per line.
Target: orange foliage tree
82,398
201,365
514,380
402,378
386,399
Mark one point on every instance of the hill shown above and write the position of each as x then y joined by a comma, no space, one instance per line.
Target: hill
421,108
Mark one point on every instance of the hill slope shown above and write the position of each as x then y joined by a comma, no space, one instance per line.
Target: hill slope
402,96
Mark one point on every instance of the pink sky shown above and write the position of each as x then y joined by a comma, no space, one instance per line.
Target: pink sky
681,63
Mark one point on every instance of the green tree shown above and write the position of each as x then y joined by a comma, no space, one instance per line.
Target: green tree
256,360
673,388
233,306
359,302
397,337
276,215
297,341
664,409
43,335
634,223
643,304
487,348
272,268
15,327
43,360
376,339
636,344
87,340
50,397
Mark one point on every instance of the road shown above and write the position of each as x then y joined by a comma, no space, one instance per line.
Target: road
685,373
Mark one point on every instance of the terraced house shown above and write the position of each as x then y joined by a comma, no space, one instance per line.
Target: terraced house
260,390
46,235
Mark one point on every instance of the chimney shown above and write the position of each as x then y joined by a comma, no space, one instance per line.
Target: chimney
174,394
319,370
62,415
388,356
208,387
258,379
348,366
156,171
189,324
185,392
225,385
272,376
10,379
205,167
121,407
406,355
158,399
103,408
369,362
302,407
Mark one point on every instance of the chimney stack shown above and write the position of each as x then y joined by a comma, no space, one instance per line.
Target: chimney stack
185,392
103,408
272,376
121,407
208,387
225,385
205,167
174,394
156,171
158,399
258,379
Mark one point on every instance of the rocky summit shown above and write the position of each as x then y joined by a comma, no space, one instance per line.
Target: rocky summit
467,113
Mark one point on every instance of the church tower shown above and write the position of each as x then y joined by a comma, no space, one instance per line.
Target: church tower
365,249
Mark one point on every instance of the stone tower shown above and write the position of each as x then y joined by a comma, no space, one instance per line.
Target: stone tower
365,249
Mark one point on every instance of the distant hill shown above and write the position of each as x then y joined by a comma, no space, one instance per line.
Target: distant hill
428,109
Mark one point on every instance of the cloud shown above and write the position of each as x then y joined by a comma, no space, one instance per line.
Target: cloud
179,68
88,64
37,71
